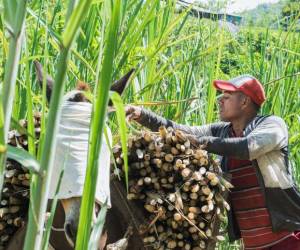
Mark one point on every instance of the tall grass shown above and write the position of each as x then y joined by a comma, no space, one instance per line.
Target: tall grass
97,125
176,56
40,185
15,27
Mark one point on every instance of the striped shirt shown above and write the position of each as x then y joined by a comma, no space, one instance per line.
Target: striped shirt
249,206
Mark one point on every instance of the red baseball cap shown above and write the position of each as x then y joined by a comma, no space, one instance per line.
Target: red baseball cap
247,84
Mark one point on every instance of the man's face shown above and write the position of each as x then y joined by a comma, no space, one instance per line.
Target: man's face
230,105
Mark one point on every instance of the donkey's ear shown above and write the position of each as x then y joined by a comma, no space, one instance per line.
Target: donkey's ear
121,84
40,78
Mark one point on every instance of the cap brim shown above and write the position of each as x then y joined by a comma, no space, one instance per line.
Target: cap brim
224,85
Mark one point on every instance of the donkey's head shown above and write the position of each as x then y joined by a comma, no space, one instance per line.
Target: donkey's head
71,205
118,86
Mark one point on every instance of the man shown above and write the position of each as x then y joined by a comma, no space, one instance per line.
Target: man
265,202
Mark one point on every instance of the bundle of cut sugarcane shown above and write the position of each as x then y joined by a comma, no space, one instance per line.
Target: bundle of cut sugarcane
15,193
179,186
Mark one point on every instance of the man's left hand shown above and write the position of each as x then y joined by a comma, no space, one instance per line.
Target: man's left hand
197,141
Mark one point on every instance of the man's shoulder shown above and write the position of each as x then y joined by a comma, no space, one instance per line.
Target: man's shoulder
274,123
274,119
266,123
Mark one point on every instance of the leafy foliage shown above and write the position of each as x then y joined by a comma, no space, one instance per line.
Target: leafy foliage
290,13
264,15
176,56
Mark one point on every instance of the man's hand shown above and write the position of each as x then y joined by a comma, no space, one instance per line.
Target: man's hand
133,112
193,139
196,141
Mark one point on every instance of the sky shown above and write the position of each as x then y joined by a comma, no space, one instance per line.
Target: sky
240,5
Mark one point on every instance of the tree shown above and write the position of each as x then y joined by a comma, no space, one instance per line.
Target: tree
290,12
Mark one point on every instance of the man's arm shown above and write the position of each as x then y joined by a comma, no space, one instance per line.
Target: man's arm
270,135
152,121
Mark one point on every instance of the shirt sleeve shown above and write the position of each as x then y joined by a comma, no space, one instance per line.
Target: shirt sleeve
232,147
153,122
271,134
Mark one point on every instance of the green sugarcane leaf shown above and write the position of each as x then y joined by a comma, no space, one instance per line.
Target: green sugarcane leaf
74,22
42,22
10,7
120,111
24,158
14,15
97,126
33,239
98,227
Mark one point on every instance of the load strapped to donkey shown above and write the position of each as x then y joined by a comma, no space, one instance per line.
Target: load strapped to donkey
175,198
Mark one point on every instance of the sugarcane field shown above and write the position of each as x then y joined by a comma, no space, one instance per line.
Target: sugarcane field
150,124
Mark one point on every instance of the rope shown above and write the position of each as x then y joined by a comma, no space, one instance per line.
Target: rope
57,229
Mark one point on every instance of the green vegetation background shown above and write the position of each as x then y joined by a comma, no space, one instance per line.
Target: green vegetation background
176,57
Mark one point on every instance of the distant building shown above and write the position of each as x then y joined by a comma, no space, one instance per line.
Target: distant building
204,13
